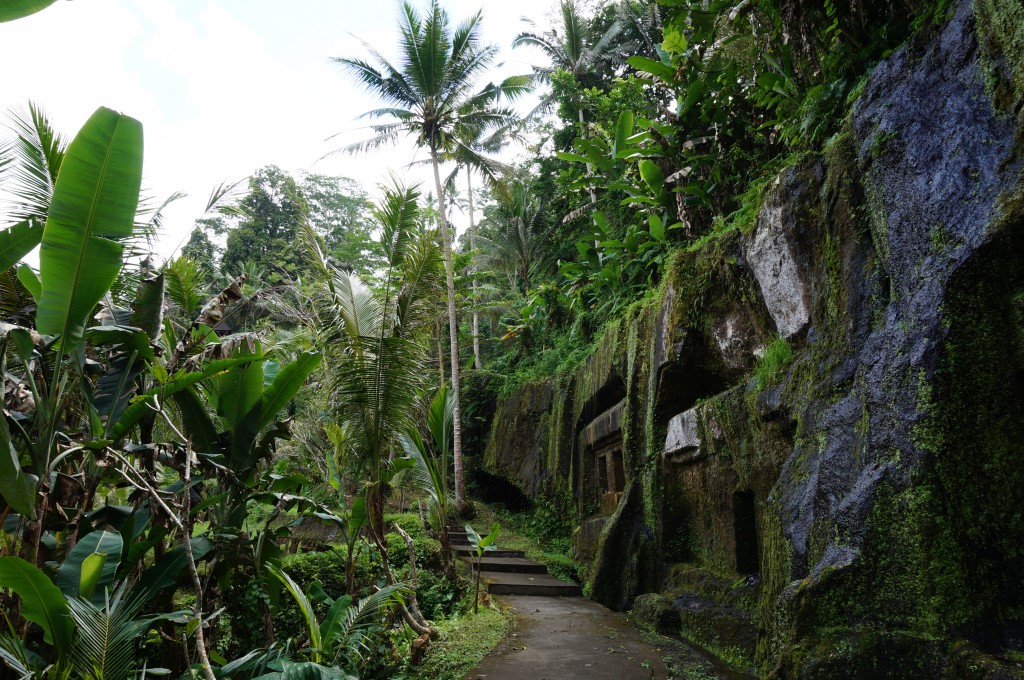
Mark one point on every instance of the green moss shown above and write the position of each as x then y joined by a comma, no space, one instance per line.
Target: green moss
882,142
975,432
1000,25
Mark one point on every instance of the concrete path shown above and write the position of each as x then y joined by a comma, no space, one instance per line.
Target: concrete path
569,638
562,636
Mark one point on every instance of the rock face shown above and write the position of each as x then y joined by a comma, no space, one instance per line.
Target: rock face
774,264
860,514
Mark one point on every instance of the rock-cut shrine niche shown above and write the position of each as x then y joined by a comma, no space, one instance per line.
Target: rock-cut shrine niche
602,454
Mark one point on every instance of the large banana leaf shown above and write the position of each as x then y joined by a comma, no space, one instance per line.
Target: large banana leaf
16,9
17,241
165,572
196,419
141,406
93,207
286,383
71,576
239,397
41,601
17,487
30,279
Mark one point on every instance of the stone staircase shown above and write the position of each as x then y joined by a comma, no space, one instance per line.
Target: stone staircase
508,572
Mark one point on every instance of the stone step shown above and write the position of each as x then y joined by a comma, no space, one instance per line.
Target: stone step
516,565
506,583
468,551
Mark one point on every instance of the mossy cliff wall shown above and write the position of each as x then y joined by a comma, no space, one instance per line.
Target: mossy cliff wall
854,508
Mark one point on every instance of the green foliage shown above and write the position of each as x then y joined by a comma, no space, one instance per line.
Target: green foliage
269,216
327,569
430,470
376,341
92,208
78,577
463,643
106,635
41,601
776,359
199,249
481,544
17,241
339,210
438,595
342,634
187,279
16,9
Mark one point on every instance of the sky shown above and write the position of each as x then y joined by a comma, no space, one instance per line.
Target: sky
228,86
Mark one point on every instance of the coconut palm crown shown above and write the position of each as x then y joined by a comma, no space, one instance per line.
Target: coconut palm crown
432,96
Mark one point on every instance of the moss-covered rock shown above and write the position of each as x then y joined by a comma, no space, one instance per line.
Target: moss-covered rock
856,512
655,612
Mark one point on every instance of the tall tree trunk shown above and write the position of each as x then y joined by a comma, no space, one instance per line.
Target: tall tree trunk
440,353
453,331
477,364
590,170
593,196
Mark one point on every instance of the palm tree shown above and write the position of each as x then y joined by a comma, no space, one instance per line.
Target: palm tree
641,29
515,247
379,345
574,50
428,97
472,139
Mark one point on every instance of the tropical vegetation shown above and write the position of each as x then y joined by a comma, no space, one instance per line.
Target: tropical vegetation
243,461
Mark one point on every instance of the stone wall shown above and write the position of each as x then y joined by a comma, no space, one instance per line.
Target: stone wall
876,477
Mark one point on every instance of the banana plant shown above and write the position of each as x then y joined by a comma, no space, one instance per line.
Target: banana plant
245,423
91,212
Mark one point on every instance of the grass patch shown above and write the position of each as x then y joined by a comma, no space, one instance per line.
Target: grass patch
777,357
463,643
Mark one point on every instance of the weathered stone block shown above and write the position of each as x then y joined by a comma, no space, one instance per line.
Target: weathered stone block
682,443
772,259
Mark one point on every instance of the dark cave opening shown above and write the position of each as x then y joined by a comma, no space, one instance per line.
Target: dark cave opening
497,490
744,517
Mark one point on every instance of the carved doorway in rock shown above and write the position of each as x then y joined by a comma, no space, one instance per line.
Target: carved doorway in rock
601,443
611,477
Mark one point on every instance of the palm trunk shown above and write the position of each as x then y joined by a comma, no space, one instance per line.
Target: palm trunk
440,354
477,364
453,331
590,169
593,196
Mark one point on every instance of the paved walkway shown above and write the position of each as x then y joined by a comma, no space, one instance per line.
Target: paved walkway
560,635
569,638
